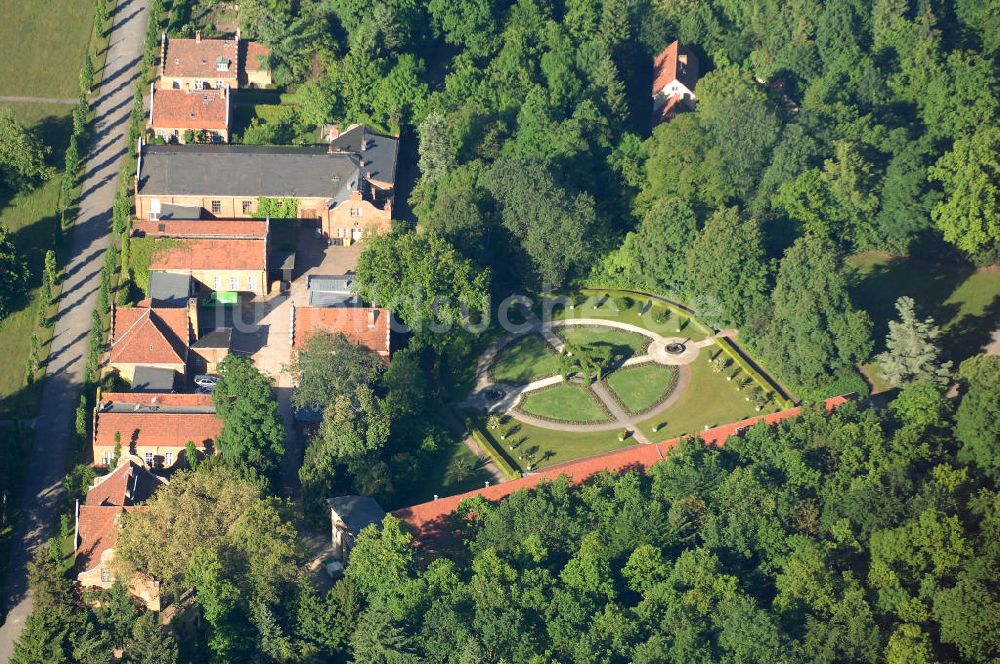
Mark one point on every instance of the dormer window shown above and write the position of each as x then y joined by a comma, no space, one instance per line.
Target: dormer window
221,64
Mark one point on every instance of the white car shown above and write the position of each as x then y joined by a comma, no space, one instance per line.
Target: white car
206,381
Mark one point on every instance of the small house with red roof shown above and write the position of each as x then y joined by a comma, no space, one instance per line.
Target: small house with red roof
150,336
201,115
675,73
100,518
153,427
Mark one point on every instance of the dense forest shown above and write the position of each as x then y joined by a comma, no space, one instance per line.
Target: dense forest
865,536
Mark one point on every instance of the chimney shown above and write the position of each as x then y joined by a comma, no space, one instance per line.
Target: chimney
197,36
683,59
192,311
371,317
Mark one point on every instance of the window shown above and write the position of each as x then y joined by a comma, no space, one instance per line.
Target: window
168,459
105,575
252,282
355,212
234,283
218,85
199,85
108,456
216,207
247,207
216,283
149,458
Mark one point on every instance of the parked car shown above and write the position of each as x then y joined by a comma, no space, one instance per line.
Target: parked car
206,389
206,380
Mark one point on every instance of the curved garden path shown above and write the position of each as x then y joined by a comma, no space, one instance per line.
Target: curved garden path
513,394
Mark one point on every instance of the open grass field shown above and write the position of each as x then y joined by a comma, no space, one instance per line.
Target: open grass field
31,219
42,44
623,344
964,302
709,400
640,388
566,402
547,447
525,360
642,312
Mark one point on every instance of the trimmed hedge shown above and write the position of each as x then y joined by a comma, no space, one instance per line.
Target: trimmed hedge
486,443
764,382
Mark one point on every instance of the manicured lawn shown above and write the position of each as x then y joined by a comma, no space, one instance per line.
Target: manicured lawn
708,400
964,302
566,402
623,344
641,387
547,447
598,304
525,360
42,46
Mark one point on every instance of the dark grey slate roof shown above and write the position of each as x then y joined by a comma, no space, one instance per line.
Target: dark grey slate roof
378,152
332,291
247,171
153,379
169,288
180,212
357,511
218,338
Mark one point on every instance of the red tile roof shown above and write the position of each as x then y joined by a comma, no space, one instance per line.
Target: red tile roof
97,531
202,254
128,484
149,335
148,399
219,228
669,67
190,109
354,322
429,521
189,58
256,52
156,429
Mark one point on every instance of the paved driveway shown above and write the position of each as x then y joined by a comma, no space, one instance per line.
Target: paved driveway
42,489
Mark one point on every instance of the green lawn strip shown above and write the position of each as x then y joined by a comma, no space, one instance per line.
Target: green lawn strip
709,400
525,360
546,447
641,387
624,344
964,302
31,218
591,303
42,46
565,402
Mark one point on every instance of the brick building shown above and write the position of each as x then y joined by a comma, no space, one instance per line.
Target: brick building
202,64
347,186
219,255
154,427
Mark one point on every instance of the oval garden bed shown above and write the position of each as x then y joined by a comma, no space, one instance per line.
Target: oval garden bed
641,387
623,344
564,402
